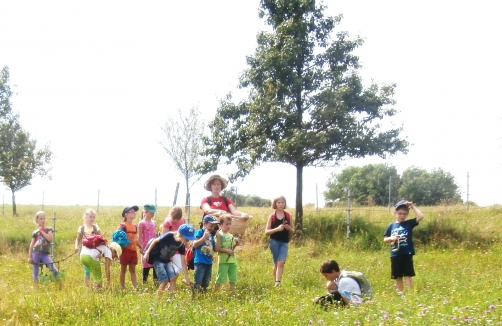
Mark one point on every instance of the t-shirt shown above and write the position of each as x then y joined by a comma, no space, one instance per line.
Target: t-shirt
131,231
41,244
165,249
204,253
217,203
282,236
350,288
88,230
148,231
95,252
404,231
173,225
227,242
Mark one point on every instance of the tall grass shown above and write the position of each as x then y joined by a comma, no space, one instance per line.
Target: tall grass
457,280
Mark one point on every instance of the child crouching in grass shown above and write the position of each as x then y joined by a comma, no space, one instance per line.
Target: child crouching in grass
225,245
89,257
161,251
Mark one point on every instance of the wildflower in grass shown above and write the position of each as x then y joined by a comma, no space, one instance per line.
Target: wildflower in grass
357,322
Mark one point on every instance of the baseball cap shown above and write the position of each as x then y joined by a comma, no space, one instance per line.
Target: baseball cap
210,219
401,203
150,208
128,208
187,231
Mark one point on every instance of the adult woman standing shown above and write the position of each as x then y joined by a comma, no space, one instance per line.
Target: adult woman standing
217,204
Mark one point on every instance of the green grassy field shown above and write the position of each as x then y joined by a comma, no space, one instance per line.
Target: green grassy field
458,276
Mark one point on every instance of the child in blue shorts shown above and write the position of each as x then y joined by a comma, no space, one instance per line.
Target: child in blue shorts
399,234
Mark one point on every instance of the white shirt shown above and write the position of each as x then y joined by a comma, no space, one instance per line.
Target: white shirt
95,253
349,287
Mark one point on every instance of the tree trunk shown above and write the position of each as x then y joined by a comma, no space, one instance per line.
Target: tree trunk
14,212
299,193
187,200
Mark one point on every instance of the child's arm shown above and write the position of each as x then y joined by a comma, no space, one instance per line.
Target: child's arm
218,247
78,241
418,213
152,245
269,230
138,243
30,251
140,234
197,243
47,235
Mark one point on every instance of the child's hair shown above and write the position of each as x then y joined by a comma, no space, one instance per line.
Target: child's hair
274,203
176,212
88,212
224,218
328,266
38,213
178,237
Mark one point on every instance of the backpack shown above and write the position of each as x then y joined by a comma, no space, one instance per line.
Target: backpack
94,230
189,257
362,281
92,241
210,201
124,228
288,218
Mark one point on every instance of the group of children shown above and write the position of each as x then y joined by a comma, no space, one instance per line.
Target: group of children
164,251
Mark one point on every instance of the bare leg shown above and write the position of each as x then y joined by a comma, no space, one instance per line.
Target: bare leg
36,284
217,287
132,270
87,280
123,269
232,287
409,282
274,272
279,270
172,285
161,289
399,284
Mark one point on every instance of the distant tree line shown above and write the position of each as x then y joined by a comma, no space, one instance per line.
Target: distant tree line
245,200
370,185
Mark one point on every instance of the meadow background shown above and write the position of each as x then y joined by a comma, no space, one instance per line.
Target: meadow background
457,264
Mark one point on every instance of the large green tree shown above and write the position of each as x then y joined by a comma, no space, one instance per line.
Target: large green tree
20,160
306,104
369,184
429,188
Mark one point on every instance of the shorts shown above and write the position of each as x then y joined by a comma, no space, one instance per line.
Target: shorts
177,264
401,266
164,271
94,267
225,270
129,257
279,250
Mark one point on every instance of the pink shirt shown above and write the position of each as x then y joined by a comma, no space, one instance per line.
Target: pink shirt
148,231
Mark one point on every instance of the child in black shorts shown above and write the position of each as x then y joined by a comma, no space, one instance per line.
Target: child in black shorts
399,234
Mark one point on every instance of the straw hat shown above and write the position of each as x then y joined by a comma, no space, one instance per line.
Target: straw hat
207,184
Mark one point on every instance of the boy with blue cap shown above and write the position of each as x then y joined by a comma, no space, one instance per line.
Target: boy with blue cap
204,252
399,234
160,252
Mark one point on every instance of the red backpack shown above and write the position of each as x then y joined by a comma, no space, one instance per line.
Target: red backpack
92,241
189,257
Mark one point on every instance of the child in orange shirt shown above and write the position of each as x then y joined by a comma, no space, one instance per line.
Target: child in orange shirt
129,257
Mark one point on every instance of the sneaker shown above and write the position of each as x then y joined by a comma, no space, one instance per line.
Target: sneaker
277,283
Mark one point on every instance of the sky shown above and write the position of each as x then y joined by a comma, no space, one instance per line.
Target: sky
98,79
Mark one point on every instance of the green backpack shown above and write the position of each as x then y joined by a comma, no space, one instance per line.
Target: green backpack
364,284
